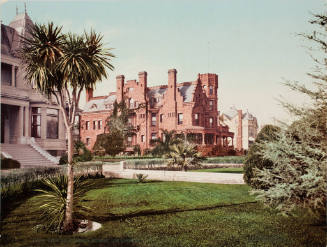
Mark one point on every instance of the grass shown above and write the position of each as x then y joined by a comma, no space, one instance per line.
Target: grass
167,214
221,170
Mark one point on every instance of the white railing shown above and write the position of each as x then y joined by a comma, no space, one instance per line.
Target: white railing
31,141
6,155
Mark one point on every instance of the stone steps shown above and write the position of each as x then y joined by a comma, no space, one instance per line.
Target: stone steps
26,155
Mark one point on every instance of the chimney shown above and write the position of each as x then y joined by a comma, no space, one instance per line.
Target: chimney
239,139
172,82
89,94
143,81
120,88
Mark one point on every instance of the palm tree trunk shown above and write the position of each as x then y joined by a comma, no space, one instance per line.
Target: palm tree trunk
68,223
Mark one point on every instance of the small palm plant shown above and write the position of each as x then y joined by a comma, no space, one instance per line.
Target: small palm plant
53,200
141,178
184,155
163,144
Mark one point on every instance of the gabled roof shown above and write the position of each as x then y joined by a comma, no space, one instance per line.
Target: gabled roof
156,91
100,104
231,112
187,91
9,40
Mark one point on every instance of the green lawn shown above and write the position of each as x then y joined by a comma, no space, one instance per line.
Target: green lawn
168,214
221,170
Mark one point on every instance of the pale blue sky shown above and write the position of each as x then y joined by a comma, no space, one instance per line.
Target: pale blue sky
251,44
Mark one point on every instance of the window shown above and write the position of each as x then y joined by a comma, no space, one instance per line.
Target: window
196,119
131,103
211,122
211,90
88,141
129,140
36,122
211,105
100,124
6,74
180,118
154,119
94,124
142,138
161,117
153,136
87,125
52,123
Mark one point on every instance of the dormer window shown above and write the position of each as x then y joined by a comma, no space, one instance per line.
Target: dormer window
94,106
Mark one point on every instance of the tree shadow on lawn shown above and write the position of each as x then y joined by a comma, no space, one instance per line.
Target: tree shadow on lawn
112,217
70,240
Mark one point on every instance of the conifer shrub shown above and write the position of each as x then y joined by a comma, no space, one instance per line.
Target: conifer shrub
255,159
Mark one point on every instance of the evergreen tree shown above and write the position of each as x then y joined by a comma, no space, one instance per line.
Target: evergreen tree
297,178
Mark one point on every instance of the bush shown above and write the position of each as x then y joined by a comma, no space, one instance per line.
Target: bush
7,163
254,158
81,154
63,159
225,160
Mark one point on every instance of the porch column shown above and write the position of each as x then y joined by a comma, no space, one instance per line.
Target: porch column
27,122
43,123
203,142
215,140
13,76
20,124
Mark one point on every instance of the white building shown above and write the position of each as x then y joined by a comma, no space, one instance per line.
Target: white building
244,126
28,119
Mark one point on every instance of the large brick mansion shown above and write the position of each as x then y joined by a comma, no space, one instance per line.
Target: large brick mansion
190,108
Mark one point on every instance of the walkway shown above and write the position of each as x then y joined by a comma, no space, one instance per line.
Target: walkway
200,177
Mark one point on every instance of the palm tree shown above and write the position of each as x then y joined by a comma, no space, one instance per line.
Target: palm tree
53,196
184,155
163,145
62,66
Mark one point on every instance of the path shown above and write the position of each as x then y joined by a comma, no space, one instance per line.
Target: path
200,177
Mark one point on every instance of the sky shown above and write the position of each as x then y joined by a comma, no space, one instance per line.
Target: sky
253,45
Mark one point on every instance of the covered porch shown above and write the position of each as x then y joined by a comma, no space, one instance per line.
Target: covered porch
14,123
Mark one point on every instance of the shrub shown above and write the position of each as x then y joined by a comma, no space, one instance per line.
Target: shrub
109,143
53,200
81,154
63,159
7,163
254,158
137,149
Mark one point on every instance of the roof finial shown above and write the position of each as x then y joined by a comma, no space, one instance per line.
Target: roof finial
25,6
16,10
